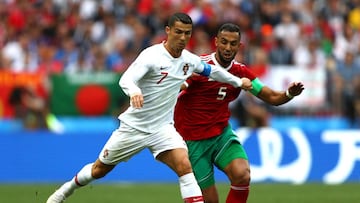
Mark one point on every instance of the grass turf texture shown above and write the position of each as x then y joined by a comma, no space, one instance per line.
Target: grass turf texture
165,193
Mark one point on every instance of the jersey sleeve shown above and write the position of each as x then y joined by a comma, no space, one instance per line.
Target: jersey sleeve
128,81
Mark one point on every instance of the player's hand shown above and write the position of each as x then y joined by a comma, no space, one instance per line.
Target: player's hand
246,84
296,88
137,100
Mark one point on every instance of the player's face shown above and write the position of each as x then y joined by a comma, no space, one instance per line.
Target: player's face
177,38
227,45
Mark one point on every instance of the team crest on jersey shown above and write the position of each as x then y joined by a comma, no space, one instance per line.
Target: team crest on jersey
185,68
106,153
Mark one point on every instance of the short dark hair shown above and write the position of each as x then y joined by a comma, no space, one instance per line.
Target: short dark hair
182,17
230,27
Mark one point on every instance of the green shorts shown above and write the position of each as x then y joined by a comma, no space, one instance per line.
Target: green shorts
218,151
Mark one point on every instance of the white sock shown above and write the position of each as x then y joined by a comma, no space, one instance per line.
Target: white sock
190,190
82,178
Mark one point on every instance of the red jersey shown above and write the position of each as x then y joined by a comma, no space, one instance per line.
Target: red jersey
202,110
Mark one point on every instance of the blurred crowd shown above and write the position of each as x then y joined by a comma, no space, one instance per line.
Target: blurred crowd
73,36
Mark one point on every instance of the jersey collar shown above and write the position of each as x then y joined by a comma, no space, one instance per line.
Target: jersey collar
213,58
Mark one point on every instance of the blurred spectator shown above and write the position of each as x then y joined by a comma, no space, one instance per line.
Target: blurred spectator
269,12
109,30
230,9
47,65
288,30
267,38
347,40
334,12
324,32
28,107
307,14
201,42
19,56
82,64
3,30
67,53
98,60
309,55
354,15
201,11
88,9
82,35
256,57
32,110
347,81
141,39
280,54
16,15
115,60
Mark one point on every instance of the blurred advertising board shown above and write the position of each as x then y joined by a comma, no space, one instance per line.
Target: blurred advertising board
89,94
298,156
314,80
9,80
291,154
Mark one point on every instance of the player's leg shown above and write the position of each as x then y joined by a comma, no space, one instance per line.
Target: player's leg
201,153
177,160
87,174
238,172
168,147
234,163
210,194
112,153
232,159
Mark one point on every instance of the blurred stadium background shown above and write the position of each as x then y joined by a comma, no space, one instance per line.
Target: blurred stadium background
61,61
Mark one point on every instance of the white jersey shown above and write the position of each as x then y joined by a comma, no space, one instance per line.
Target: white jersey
158,76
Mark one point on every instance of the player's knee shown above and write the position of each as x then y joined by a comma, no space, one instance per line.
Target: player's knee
241,177
99,170
183,166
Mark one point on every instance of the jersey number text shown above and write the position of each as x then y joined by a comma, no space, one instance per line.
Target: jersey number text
221,93
163,77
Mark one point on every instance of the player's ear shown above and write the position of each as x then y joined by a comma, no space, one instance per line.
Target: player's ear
167,29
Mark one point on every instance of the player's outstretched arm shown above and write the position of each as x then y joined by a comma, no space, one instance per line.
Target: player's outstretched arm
221,75
276,98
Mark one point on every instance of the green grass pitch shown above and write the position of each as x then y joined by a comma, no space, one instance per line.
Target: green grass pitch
165,193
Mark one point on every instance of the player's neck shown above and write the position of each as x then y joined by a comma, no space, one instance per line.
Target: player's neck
173,52
222,63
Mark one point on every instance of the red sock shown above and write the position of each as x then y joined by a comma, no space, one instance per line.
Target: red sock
238,194
194,199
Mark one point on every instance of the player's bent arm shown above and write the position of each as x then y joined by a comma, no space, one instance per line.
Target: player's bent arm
128,83
130,77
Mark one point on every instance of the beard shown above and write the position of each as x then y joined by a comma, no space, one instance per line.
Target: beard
224,60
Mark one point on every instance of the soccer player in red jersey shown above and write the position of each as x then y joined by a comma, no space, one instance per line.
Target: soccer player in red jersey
202,118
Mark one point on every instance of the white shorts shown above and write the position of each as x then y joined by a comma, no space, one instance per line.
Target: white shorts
126,141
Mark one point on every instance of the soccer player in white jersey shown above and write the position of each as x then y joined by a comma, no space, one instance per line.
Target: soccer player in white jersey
152,82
